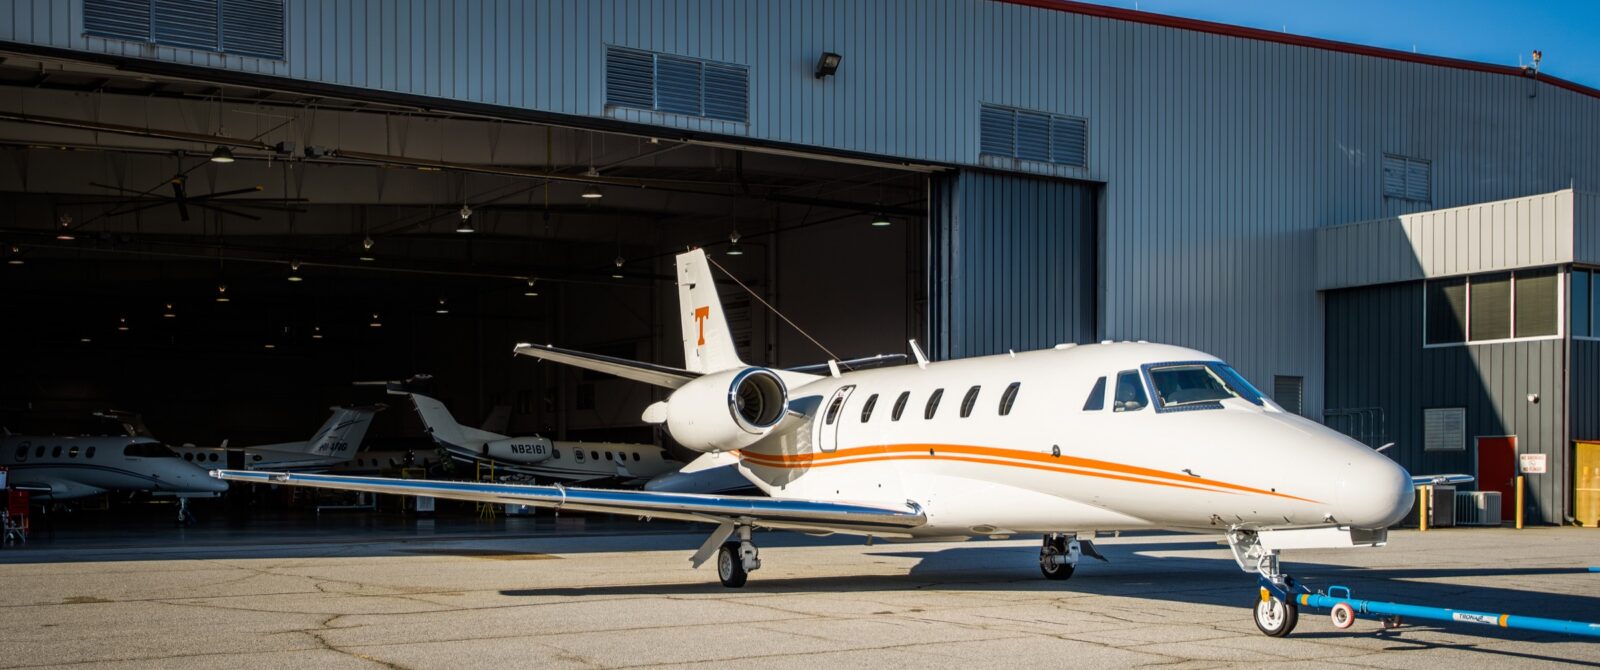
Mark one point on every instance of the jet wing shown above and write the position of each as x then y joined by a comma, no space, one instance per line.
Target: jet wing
649,373
803,515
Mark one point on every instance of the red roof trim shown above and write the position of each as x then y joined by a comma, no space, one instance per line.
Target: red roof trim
1119,14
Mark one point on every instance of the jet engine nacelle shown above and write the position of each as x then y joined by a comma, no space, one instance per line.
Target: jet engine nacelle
727,410
519,449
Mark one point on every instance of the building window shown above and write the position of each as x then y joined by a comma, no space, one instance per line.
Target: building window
1581,307
1444,429
1493,307
1007,132
1407,178
243,27
1289,393
677,85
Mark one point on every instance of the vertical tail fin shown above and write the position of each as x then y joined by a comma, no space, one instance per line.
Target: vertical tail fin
344,431
444,428
707,343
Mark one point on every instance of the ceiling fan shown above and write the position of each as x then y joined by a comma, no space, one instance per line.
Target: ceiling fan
148,199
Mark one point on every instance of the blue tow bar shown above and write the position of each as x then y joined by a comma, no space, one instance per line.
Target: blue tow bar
1381,609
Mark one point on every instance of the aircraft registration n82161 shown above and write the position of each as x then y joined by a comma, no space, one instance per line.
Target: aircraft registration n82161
1112,436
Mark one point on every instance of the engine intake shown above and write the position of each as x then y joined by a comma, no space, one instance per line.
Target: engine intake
728,410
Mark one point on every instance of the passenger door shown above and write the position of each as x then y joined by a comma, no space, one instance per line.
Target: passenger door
832,417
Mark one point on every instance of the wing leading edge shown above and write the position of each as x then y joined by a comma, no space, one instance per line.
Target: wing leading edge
804,515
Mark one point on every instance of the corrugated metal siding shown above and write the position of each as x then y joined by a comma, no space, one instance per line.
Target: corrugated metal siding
1375,359
1586,227
1014,263
1503,235
1216,151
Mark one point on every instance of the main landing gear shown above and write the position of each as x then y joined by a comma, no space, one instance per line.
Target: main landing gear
1058,556
1275,611
736,559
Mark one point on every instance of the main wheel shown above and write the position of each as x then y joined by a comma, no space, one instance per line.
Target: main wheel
1053,570
730,568
1275,617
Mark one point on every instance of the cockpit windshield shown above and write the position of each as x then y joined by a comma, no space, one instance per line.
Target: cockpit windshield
148,450
1200,383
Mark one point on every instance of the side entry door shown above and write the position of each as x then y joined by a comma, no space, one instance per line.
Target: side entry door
832,418
1497,471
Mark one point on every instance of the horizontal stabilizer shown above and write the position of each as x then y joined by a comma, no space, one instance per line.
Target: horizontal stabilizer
1437,480
649,373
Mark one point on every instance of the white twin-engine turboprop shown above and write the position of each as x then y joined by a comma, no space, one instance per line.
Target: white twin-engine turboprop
1114,436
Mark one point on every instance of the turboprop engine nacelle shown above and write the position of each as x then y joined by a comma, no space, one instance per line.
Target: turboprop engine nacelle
519,449
724,411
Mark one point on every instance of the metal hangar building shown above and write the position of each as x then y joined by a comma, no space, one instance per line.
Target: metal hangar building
1390,242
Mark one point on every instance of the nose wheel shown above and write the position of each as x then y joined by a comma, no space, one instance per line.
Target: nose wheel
1275,617
1275,611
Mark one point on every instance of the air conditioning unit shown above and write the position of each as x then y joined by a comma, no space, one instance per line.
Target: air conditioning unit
1478,508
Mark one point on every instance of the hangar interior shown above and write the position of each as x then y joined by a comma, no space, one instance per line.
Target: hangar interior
237,300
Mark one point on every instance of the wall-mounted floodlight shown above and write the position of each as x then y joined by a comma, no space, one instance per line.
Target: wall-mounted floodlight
828,64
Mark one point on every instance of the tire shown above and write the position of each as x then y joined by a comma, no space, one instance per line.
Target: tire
1062,571
1274,617
730,568
1343,615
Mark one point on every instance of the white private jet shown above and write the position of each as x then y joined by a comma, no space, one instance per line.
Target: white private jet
1115,436
541,457
333,444
54,468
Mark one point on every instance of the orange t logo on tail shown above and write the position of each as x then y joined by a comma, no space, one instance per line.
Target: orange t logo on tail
700,316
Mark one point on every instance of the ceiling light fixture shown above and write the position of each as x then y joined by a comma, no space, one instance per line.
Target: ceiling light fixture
85,340
733,248
294,271
618,262
441,309
530,292
269,345
221,154
168,313
316,332
16,256
375,322
122,324
881,221
222,293
827,65
593,193
66,229
466,220
366,249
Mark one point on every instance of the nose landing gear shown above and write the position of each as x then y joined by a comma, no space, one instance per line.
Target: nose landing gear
1276,613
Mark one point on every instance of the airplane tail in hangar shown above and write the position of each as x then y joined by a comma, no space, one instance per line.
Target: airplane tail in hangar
442,425
707,343
344,431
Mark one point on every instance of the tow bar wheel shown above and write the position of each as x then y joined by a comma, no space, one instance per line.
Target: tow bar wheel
1343,616
1274,617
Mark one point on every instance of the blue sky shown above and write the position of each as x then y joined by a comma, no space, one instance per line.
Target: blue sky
1567,31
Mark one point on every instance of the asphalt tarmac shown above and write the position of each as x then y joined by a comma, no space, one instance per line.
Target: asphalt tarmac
594,593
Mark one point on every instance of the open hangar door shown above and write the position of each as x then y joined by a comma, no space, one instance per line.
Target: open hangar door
1014,263
238,299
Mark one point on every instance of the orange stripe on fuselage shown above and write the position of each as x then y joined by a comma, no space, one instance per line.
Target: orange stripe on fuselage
1062,463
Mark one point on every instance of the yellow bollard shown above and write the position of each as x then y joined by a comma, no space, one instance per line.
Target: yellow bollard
1422,507
1519,501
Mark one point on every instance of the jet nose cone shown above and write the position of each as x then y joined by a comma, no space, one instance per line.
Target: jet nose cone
1376,493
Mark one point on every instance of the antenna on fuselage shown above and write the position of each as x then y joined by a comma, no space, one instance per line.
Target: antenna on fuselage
916,350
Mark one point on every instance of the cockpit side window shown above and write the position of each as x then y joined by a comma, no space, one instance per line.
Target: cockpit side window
1130,395
1097,397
